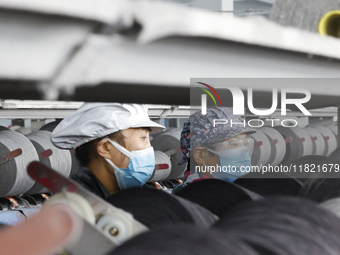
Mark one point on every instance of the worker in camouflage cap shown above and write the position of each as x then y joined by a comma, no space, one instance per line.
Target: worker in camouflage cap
217,138
199,129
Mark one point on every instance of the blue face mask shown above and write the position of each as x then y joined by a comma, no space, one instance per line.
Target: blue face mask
141,166
231,162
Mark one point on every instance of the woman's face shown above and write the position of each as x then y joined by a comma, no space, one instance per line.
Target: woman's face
212,159
134,139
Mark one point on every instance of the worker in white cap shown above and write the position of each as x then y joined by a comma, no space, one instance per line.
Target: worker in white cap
112,145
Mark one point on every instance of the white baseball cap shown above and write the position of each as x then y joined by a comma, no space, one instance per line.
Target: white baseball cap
96,120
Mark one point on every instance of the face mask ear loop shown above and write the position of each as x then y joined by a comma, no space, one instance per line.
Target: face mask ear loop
212,151
124,133
246,151
115,168
120,148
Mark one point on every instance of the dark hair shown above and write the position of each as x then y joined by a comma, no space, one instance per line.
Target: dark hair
86,152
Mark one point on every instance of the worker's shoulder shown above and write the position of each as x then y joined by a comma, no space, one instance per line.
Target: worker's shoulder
83,174
85,177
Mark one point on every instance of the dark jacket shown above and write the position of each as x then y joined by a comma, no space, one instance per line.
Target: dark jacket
89,181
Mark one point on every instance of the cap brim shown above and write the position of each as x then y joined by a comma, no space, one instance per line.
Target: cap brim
155,127
248,131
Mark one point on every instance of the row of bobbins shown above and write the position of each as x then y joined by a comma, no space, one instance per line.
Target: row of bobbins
279,145
18,150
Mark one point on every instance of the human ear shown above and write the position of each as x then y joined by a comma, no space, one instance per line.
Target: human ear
198,155
103,149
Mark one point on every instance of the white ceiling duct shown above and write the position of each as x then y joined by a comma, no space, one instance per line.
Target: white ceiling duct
154,64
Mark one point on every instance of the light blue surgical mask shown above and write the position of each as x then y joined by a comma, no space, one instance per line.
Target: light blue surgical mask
141,166
234,163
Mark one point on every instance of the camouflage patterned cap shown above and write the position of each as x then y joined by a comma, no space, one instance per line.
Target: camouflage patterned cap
200,129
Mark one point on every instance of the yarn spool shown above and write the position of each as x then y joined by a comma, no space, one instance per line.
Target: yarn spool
188,240
50,126
294,147
278,145
334,158
318,141
307,143
284,226
332,205
14,128
265,185
253,196
262,148
151,207
215,195
320,190
314,161
169,143
14,179
24,130
334,130
163,167
60,160
329,138
175,132
201,216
